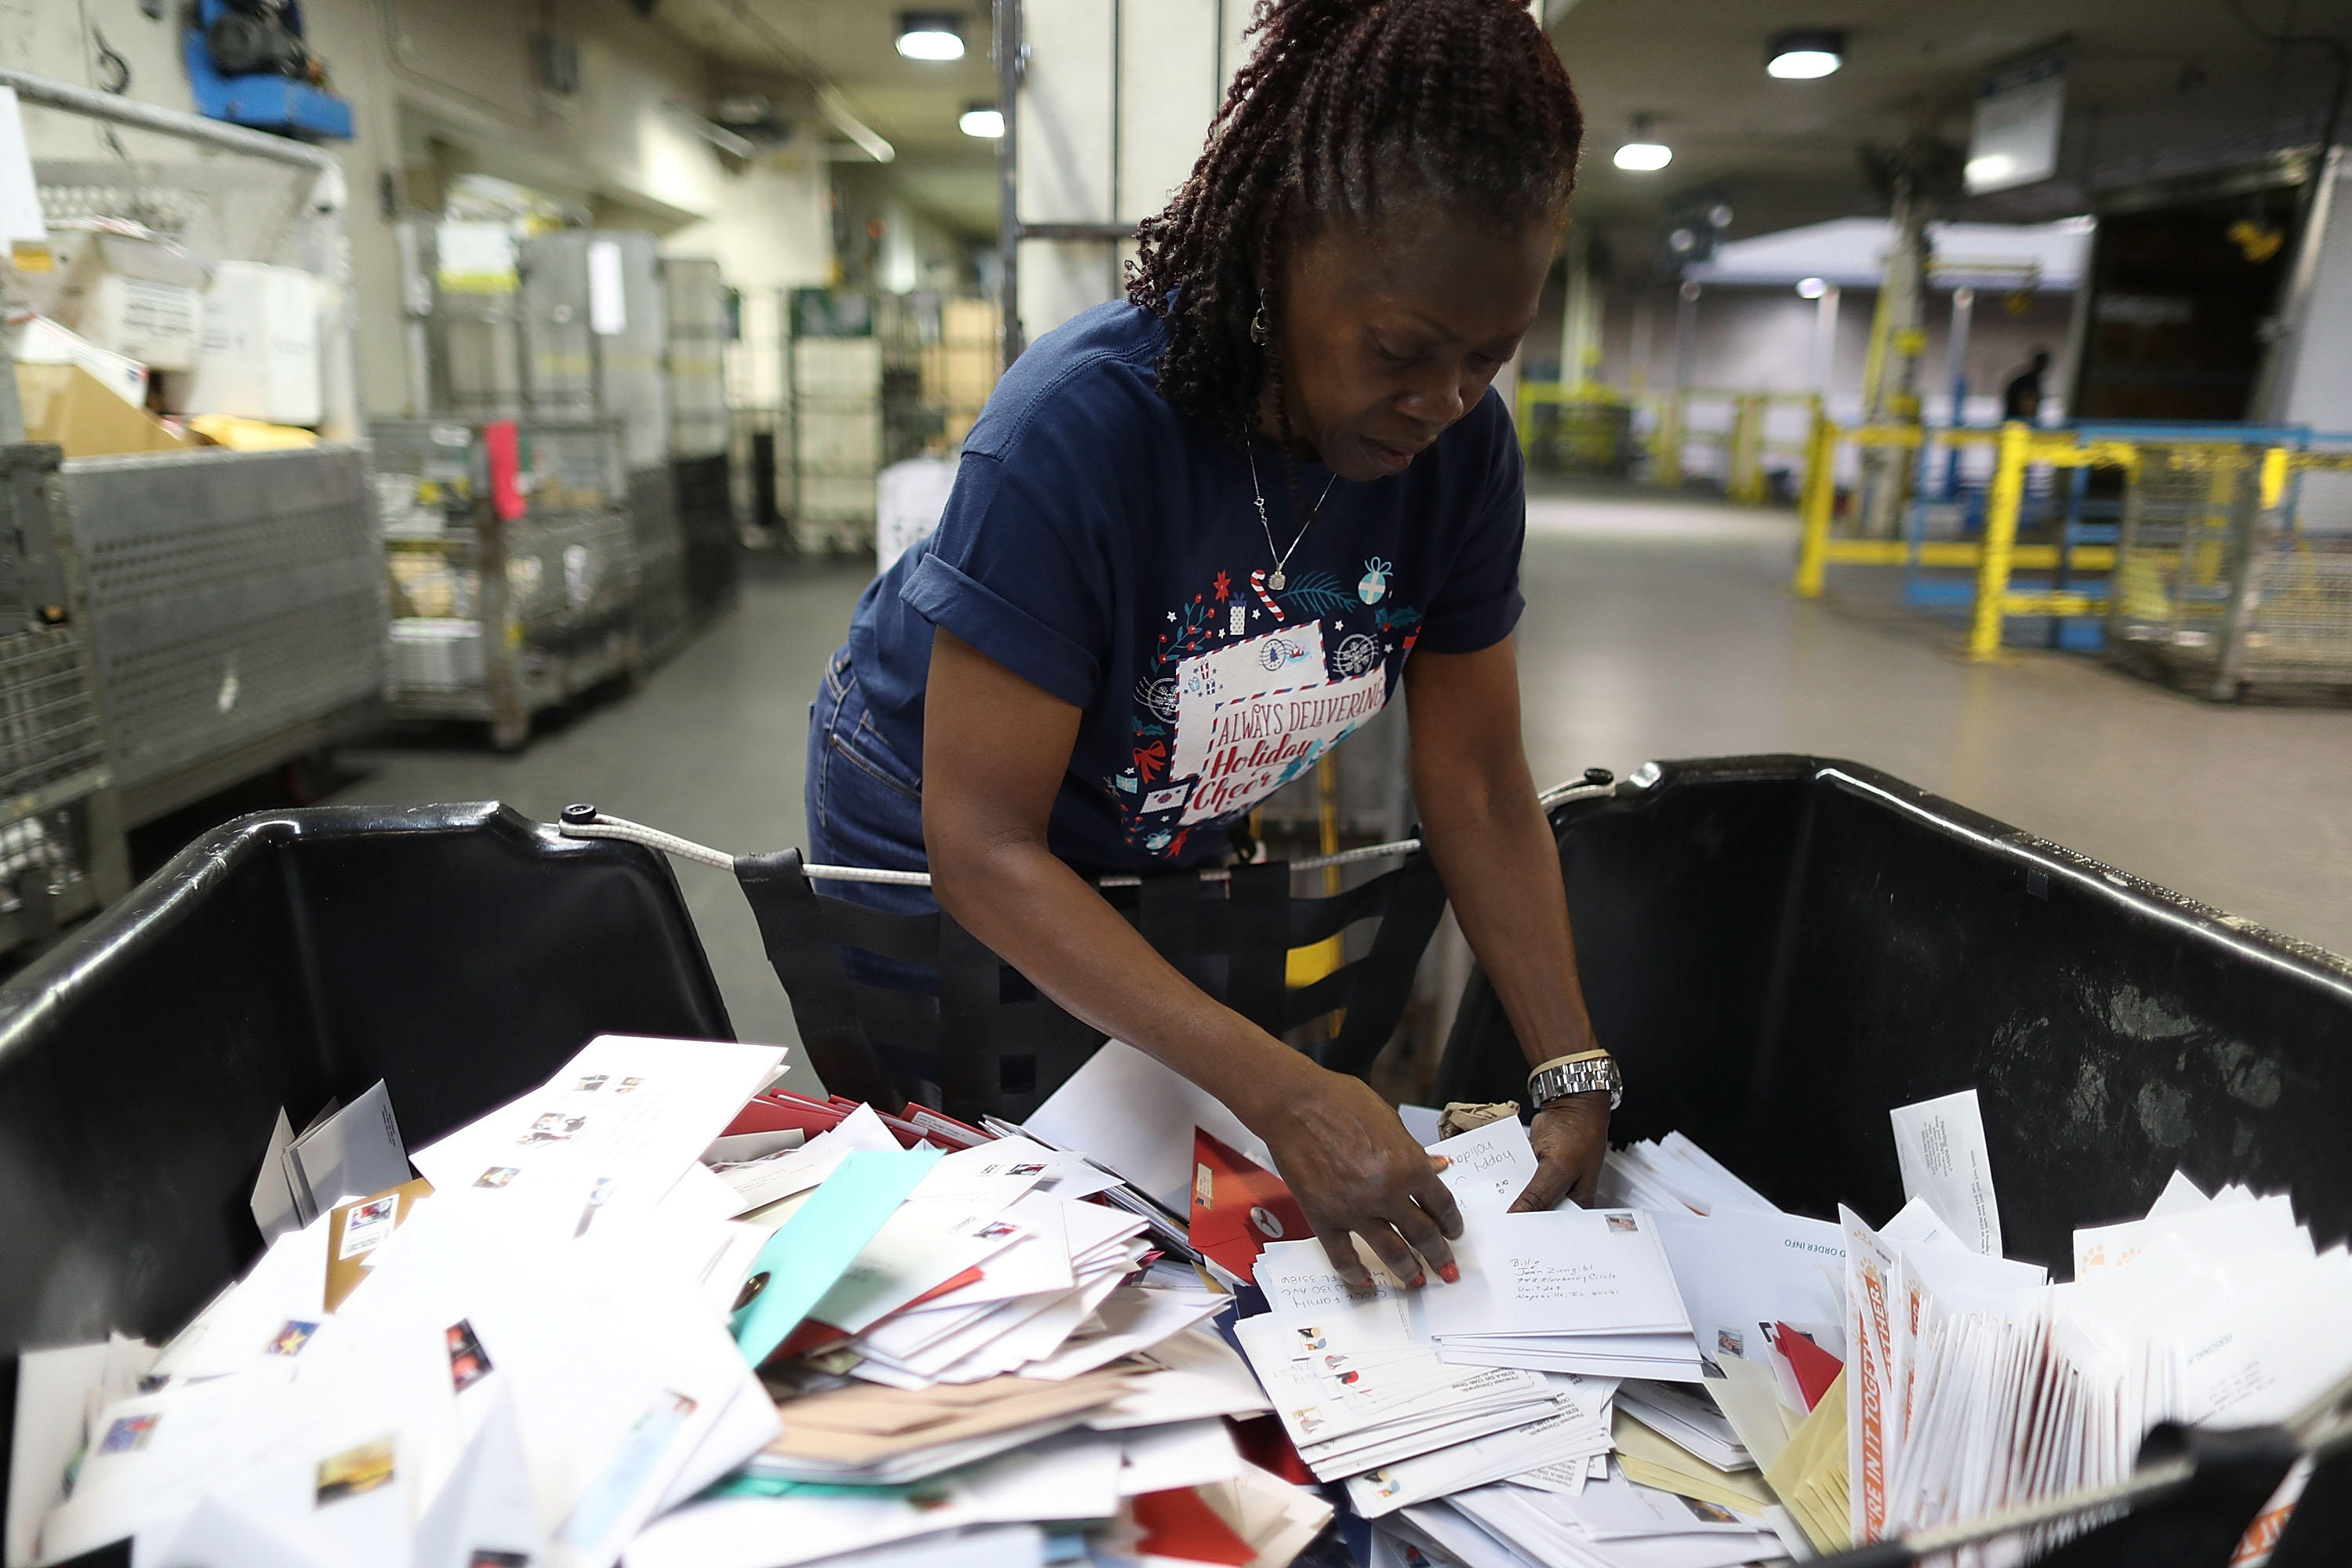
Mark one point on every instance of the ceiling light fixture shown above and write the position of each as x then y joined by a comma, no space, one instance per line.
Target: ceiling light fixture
931,35
985,120
1639,153
1811,287
1804,54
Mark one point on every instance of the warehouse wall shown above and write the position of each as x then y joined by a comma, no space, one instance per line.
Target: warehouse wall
887,241
1762,340
2310,384
462,68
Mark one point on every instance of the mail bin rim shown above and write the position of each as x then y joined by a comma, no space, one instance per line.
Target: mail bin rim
2234,934
177,891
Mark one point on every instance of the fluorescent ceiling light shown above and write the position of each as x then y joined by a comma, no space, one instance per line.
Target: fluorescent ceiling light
931,35
1804,54
1640,153
1802,65
1991,167
1811,287
985,120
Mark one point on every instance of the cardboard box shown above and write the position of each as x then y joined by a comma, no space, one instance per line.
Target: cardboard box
160,324
67,404
139,296
973,323
260,353
40,340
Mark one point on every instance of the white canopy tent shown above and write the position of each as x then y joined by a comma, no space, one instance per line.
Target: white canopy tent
1850,253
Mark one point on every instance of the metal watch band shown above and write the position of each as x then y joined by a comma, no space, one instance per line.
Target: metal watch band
1551,1081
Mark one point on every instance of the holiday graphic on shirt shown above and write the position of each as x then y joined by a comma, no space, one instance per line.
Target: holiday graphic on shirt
1251,685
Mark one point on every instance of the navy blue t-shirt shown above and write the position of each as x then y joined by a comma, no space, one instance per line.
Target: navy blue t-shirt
1105,547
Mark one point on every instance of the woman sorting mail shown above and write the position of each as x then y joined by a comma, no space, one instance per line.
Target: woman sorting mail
1201,534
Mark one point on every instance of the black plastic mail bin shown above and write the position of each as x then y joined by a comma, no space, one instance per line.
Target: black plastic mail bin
459,953
1781,949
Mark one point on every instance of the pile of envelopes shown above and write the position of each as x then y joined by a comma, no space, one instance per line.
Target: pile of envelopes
657,1311
2210,1310
1546,1409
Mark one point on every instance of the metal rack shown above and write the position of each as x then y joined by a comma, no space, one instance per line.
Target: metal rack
599,352
61,847
236,609
501,618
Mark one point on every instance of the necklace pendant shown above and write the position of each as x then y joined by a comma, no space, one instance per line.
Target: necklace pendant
1276,580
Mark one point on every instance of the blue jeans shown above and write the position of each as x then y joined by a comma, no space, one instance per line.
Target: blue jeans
864,806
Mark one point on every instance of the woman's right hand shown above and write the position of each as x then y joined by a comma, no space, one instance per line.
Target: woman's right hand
1354,1169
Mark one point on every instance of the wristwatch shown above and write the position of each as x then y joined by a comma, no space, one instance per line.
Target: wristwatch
1584,1073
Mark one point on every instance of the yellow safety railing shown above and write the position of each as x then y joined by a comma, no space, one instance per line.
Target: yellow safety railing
1529,394
1591,422
1745,441
2016,448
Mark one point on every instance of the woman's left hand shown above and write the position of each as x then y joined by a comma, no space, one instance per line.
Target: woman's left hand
1571,1134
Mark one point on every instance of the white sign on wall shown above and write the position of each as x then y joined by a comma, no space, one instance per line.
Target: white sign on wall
2019,111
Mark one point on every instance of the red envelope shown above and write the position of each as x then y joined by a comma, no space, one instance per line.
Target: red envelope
1238,1206
1179,1524
1264,1443
785,1113
1816,1369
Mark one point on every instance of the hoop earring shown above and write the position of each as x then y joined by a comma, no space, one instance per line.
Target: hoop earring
1257,324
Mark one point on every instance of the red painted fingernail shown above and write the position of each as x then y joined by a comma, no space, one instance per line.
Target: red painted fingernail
1451,1274
1417,1281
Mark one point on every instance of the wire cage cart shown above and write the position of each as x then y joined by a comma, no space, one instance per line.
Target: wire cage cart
61,846
702,431
235,603
594,330
834,365
501,613
2233,569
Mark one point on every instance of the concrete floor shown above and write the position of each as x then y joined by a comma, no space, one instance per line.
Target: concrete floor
1655,627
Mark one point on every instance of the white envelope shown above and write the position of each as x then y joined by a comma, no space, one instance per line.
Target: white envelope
1567,1272
1129,1319
1136,1117
354,1154
1940,1146
634,1111
1739,1269
1490,1167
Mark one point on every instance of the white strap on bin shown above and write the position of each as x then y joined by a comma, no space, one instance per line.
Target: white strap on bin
603,825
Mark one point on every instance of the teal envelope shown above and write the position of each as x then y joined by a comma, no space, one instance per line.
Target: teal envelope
820,1242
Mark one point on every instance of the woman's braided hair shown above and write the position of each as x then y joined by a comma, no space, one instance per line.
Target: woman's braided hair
1346,104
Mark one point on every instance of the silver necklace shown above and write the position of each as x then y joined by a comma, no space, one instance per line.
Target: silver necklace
1275,579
